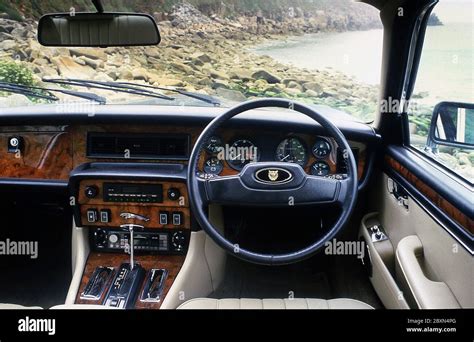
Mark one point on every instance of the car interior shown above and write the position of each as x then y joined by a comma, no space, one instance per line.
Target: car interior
267,203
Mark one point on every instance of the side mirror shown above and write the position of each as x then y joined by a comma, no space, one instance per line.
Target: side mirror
98,30
452,124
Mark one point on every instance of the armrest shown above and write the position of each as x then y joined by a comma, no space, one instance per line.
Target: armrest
427,293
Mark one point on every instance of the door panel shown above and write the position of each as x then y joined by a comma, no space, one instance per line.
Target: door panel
445,256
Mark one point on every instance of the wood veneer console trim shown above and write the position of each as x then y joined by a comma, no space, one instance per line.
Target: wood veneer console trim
172,263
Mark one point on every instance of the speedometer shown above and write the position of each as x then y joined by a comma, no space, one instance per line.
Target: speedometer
292,150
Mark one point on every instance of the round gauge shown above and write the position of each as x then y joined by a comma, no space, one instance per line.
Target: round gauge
213,145
320,169
241,153
321,148
292,150
213,166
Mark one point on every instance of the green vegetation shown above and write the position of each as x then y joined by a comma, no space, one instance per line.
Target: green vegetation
15,72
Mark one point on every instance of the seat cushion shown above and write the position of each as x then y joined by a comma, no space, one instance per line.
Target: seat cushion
275,304
18,307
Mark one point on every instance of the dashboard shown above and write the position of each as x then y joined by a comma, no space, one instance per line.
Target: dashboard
52,152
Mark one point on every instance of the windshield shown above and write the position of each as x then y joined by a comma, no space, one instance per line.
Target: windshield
315,51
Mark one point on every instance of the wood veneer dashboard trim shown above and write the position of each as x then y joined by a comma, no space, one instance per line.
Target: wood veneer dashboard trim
52,152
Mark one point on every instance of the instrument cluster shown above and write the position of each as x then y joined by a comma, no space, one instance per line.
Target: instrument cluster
242,151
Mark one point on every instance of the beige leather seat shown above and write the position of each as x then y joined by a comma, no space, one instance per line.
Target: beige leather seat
275,304
18,307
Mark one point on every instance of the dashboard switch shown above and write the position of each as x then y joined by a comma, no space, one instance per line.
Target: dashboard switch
177,218
163,218
92,215
15,144
174,194
105,216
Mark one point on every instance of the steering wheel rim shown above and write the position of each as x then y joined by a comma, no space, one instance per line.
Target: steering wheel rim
197,187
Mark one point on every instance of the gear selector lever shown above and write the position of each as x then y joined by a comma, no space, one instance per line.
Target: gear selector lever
131,228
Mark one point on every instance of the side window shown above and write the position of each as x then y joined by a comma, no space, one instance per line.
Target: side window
441,110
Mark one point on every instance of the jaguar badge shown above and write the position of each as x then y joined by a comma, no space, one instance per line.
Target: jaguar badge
273,176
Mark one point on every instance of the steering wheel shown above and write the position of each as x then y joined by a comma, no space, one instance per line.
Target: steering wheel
271,184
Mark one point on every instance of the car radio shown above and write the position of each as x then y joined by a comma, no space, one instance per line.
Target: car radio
128,192
162,241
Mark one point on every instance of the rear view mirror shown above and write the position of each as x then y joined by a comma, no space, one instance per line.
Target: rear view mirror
98,30
452,124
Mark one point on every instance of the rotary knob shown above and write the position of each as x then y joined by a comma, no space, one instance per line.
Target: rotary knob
91,191
173,194
178,240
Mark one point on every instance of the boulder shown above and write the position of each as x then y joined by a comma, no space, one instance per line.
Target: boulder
265,75
125,74
89,53
182,67
140,74
68,68
314,86
166,82
8,45
232,95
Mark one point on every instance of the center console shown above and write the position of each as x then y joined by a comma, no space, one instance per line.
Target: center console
139,224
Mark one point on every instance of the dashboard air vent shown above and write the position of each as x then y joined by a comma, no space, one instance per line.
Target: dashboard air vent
137,146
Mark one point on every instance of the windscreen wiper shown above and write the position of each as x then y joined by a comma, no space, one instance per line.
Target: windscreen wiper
134,88
197,96
47,93
112,86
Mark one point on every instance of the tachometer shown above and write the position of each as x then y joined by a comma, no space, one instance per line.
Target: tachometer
292,150
241,153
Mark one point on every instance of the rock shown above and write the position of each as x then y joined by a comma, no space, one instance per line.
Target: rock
4,15
140,74
267,76
125,74
182,67
471,157
8,45
216,84
68,68
93,63
5,36
152,52
241,74
232,95
102,77
316,87
89,53
112,74
204,58
19,32
218,75
311,93
295,85
292,91
166,82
